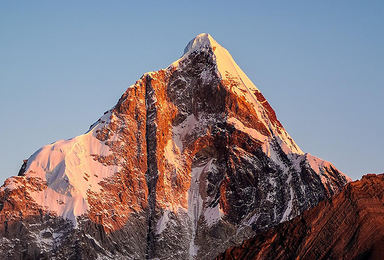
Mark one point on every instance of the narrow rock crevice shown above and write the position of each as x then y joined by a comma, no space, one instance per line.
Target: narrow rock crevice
152,170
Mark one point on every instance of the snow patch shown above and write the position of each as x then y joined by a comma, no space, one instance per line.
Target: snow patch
213,215
70,170
172,152
288,210
195,203
250,131
193,249
162,223
179,132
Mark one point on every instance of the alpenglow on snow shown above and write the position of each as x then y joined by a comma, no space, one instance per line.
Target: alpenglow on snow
190,161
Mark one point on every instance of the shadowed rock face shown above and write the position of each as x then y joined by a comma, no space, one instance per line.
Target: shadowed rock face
349,225
191,160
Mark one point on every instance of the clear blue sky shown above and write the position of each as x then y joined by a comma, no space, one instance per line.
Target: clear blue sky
319,63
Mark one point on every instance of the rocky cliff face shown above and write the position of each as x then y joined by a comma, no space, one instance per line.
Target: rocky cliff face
347,226
191,160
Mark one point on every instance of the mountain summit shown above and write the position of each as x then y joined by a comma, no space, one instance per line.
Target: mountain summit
190,161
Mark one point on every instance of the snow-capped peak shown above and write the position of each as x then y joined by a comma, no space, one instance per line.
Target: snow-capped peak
228,70
226,66
72,169
187,152
201,41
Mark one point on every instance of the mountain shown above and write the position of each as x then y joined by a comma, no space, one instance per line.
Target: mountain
350,225
191,160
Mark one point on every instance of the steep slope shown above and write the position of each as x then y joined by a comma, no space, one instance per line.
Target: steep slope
350,225
190,161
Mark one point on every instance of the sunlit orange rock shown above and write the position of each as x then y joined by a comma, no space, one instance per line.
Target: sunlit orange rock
192,160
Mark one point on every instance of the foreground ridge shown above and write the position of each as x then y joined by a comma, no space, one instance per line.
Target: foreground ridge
191,160
347,226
